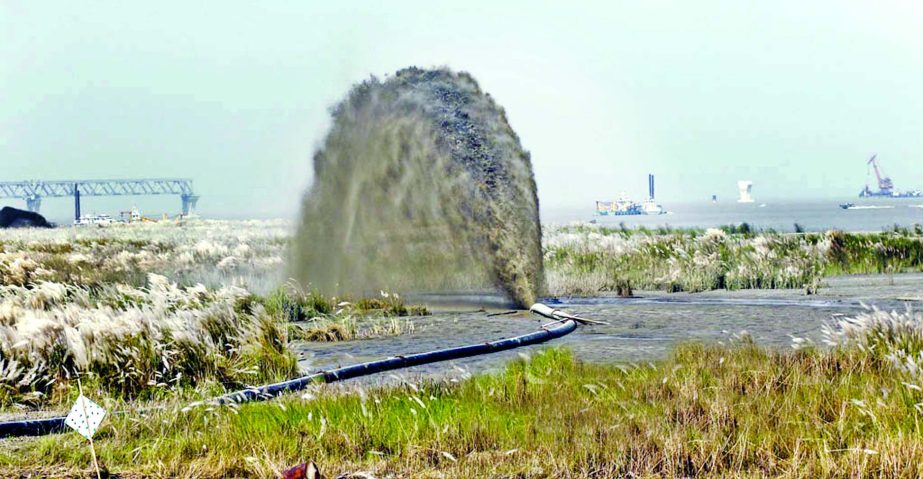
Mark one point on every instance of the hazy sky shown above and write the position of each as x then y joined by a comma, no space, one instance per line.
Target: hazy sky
793,95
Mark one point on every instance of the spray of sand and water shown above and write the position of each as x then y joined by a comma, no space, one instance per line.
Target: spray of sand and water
421,185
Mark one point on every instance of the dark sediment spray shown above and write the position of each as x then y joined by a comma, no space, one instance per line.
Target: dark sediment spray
421,185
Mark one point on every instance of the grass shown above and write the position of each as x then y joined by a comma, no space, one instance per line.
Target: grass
707,411
579,260
97,301
584,260
134,343
349,327
299,304
316,317
161,340
246,254
850,408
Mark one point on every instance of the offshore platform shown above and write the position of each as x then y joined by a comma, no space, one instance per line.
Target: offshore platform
33,191
885,185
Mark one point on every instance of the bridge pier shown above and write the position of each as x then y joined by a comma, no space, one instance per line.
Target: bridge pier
33,203
76,202
189,203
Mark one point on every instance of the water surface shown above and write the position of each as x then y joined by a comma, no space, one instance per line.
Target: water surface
780,215
640,329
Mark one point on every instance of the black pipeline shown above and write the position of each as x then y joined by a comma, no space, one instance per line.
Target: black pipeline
563,324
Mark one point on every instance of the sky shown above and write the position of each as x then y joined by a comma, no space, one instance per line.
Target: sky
792,95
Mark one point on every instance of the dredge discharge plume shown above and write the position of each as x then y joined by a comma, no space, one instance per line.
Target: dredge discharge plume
421,185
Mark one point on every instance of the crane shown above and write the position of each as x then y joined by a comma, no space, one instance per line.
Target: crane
884,183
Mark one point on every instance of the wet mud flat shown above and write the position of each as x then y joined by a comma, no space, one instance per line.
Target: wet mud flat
639,330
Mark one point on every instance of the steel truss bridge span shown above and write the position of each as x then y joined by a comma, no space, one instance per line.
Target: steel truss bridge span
32,191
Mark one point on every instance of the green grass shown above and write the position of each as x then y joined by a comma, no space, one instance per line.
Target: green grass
298,304
709,411
316,317
593,260
889,252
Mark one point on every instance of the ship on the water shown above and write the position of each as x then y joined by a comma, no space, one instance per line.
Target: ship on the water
853,206
101,219
885,184
132,216
626,207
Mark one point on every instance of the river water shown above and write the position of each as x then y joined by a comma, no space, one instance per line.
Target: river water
812,215
639,330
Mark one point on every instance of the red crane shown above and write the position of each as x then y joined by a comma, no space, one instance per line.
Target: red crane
884,182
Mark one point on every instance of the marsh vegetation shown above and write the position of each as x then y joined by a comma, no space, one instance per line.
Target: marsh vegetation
157,310
99,303
165,314
589,260
847,408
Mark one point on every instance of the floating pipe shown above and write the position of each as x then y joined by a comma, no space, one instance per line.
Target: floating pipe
567,323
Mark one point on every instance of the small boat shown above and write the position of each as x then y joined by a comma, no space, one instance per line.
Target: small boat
851,206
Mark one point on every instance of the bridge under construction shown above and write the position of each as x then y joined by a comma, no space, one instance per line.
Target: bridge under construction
33,191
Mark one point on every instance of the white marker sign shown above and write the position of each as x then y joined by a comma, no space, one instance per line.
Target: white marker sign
85,417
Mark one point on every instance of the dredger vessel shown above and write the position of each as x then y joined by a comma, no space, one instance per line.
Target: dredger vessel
626,207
